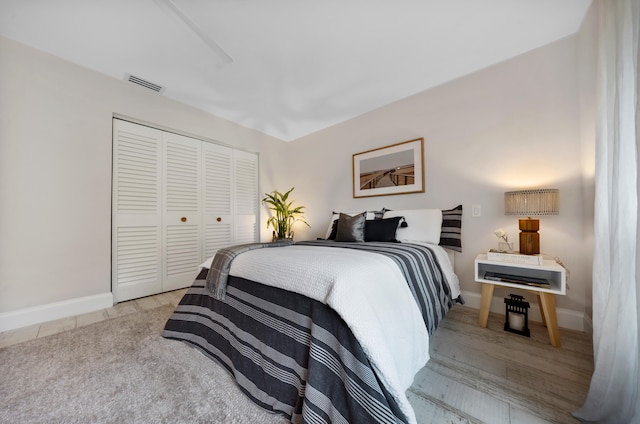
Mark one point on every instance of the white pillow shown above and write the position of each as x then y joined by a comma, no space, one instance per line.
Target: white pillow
422,225
336,215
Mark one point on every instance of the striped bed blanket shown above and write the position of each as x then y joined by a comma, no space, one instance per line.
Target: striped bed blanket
296,355
419,267
221,264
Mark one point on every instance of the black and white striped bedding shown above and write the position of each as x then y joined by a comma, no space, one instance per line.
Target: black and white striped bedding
419,267
288,353
297,356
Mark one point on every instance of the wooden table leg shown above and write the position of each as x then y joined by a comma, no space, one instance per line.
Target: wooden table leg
485,303
548,304
544,321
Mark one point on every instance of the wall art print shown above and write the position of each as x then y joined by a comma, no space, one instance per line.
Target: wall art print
394,169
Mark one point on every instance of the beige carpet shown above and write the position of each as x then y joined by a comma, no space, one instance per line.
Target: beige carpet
119,371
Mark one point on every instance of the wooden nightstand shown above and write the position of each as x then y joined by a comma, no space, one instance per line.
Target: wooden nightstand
550,270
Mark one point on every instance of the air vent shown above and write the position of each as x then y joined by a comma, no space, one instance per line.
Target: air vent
144,83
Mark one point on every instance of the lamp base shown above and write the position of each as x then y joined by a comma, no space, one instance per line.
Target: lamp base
529,237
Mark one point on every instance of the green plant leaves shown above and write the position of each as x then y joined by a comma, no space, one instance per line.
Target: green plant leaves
285,215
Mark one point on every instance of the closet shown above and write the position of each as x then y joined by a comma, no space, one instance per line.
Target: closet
175,201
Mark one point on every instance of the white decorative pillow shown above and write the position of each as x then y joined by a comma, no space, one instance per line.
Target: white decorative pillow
423,225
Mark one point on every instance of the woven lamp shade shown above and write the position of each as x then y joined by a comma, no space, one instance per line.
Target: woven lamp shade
531,203
544,201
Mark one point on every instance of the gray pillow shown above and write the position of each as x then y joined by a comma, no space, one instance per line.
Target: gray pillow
351,228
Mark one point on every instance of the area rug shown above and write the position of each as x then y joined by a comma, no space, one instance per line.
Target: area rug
119,371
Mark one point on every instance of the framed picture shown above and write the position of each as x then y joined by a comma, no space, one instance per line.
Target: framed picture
395,169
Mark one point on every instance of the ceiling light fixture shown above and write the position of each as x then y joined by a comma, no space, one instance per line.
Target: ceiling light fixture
174,11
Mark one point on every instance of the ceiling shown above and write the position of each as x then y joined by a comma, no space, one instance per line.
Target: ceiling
296,66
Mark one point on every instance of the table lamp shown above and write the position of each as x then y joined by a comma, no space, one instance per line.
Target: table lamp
530,203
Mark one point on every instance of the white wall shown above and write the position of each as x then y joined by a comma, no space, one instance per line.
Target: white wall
523,123
55,171
511,126
587,65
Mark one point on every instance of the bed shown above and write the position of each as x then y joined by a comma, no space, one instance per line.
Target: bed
329,330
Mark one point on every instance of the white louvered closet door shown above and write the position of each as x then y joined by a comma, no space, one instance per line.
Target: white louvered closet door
176,201
218,201
245,177
137,215
182,224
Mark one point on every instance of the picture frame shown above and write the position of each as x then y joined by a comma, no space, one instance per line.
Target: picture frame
389,170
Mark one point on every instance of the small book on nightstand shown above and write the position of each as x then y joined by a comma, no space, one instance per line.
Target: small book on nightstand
514,258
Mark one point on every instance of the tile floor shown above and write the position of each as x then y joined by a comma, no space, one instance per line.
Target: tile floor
24,334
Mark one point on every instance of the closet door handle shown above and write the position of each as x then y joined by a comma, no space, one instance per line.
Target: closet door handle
219,219
183,219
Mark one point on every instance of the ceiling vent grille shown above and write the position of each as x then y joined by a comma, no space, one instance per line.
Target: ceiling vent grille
144,83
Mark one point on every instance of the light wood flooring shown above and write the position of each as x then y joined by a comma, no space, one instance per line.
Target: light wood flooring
488,375
475,375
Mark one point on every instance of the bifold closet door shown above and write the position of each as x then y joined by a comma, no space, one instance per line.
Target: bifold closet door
230,197
182,226
245,176
217,194
136,214
176,201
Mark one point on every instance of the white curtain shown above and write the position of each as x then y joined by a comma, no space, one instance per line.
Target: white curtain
613,394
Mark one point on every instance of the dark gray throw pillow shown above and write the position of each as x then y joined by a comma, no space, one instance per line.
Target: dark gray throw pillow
381,229
334,230
351,228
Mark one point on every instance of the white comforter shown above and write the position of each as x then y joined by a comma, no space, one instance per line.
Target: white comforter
370,294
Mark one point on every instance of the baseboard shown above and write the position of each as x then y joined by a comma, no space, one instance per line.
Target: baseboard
588,324
52,311
567,318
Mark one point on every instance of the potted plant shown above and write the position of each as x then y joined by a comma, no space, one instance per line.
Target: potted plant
284,214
